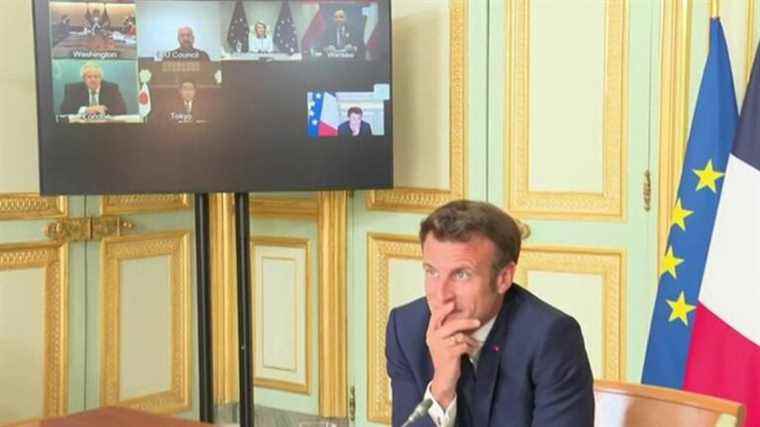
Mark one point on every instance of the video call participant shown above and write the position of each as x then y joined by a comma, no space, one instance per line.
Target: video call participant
486,351
342,37
258,39
186,108
93,96
186,50
355,126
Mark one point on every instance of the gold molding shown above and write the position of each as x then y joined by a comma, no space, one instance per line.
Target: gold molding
114,250
332,302
610,204
285,207
608,263
750,42
675,58
423,200
224,298
32,206
138,203
53,258
285,242
380,249
333,305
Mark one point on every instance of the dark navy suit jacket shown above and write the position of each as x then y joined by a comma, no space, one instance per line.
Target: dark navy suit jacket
364,129
77,95
532,371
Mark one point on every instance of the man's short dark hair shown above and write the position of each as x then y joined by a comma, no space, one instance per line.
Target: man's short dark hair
460,220
187,80
355,110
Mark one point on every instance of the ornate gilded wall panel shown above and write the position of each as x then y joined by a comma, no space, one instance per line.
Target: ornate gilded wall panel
137,203
412,199
521,198
31,206
610,266
381,248
53,258
114,252
281,377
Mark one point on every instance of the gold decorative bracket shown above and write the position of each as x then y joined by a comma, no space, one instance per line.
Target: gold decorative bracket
352,404
86,228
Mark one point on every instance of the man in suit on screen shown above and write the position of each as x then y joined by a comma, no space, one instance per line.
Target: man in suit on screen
355,126
187,108
186,50
341,36
484,350
93,96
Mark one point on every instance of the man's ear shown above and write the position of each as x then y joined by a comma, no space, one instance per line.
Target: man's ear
505,278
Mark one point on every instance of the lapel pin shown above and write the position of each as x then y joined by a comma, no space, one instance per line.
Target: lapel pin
496,348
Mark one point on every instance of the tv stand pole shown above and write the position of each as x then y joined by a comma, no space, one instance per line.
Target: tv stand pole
242,249
203,280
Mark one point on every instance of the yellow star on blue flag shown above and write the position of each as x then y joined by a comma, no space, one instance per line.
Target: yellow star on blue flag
708,176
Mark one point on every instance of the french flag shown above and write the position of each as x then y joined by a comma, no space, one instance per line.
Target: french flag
323,114
317,25
705,331
724,359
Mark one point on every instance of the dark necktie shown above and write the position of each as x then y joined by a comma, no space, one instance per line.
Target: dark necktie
466,394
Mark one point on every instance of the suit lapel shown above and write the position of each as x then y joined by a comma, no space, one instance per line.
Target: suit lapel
490,360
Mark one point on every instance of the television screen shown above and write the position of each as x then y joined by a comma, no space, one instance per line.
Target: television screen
145,96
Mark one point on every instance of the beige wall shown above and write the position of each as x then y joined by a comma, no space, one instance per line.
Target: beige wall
18,105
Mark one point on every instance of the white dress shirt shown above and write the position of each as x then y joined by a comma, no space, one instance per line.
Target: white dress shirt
94,96
447,417
260,45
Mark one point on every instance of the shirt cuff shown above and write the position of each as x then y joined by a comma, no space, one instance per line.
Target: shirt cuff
441,417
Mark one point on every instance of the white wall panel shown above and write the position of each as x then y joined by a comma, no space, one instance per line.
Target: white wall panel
22,343
146,327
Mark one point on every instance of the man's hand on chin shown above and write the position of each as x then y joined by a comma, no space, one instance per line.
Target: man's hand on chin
448,340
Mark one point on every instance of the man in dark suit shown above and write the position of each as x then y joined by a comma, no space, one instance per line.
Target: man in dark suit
186,50
186,108
485,351
342,37
93,96
355,126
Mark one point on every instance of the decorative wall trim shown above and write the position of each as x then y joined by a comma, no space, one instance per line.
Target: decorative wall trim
423,200
751,34
53,258
608,263
32,206
114,251
608,205
380,249
224,298
675,58
285,207
333,305
305,244
137,203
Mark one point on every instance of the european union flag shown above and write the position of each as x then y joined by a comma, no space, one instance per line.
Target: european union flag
237,33
285,31
699,190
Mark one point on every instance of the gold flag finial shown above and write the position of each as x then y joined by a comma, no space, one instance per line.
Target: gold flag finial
714,9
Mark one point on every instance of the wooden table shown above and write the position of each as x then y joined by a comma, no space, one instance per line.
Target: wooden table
116,417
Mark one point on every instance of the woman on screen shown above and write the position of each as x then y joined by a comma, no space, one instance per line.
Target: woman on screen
260,41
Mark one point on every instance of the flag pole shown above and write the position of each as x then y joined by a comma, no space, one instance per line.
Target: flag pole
714,9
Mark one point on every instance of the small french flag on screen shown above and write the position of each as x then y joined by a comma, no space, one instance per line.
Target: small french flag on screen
323,114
